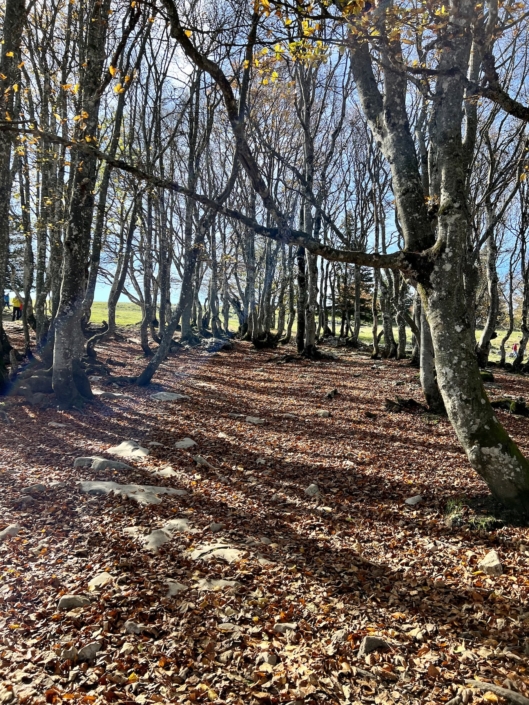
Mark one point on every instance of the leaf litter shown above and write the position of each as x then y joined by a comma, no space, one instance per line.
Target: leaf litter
259,592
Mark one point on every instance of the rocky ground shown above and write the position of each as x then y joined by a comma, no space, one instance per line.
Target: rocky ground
307,547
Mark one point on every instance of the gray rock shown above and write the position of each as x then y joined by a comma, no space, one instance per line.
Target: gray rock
491,564
105,464
412,501
175,588
34,489
69,654
331,394
290,417
142,494
256,421
323,414
185,443
133,627
166,472
215,528
212,345
70,602
85,461
228,627
129,449
168,396
11,530
372,643
216,550
312,490
90,651
25,501
284,627
112,395
100,581
199,460
156,539
54,424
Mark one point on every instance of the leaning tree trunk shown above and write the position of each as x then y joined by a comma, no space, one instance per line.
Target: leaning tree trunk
428,373
302,299
510,328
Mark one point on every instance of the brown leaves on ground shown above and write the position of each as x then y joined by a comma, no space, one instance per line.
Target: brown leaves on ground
350,561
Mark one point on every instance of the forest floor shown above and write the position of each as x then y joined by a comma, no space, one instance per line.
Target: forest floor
261,593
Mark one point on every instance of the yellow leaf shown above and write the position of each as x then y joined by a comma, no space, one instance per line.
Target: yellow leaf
288,22
15,87
265,81
3,76
8,117
490,697
112,70
21,64
188,32
119,88
133,678
84,114
10,54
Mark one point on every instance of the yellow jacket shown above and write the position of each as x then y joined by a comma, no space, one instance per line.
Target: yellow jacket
16,303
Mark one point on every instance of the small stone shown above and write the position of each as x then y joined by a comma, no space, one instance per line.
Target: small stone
199,460
265,657
155,444
284,627
133,627
254,420
89,652
175,588
290,417
107,464
412,501
54,424
69,654
25,501
70,602
100,581
331,394
33,489
167,472
129,449
491,564
261,461
112,395
323,414
84,462
371,643
185,443
312,490
142,494
228,627
215,528
155,539
219,550
11,530
169,396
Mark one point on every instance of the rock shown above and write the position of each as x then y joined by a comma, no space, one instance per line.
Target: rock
204,584
33,489
212,345
133,627
142,494
112,395
331,394
69,654
175,588
54,424
291,417
185,443
155,539
312,490
254,420
95,378
215,528
129,449
265,657
371,643
491,564
168,396
261,461
105,464
486,376
159,537
323,414
70,602
100,581
89,652
11,530
284,627
25,501
199,460
228,627
84,461
412,501
155,444
216,550
167,472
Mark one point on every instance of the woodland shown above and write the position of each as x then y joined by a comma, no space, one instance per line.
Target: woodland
302,475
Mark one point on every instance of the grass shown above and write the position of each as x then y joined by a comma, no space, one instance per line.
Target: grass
128,314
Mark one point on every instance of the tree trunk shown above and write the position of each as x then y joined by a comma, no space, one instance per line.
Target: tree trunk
483,347
302,299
